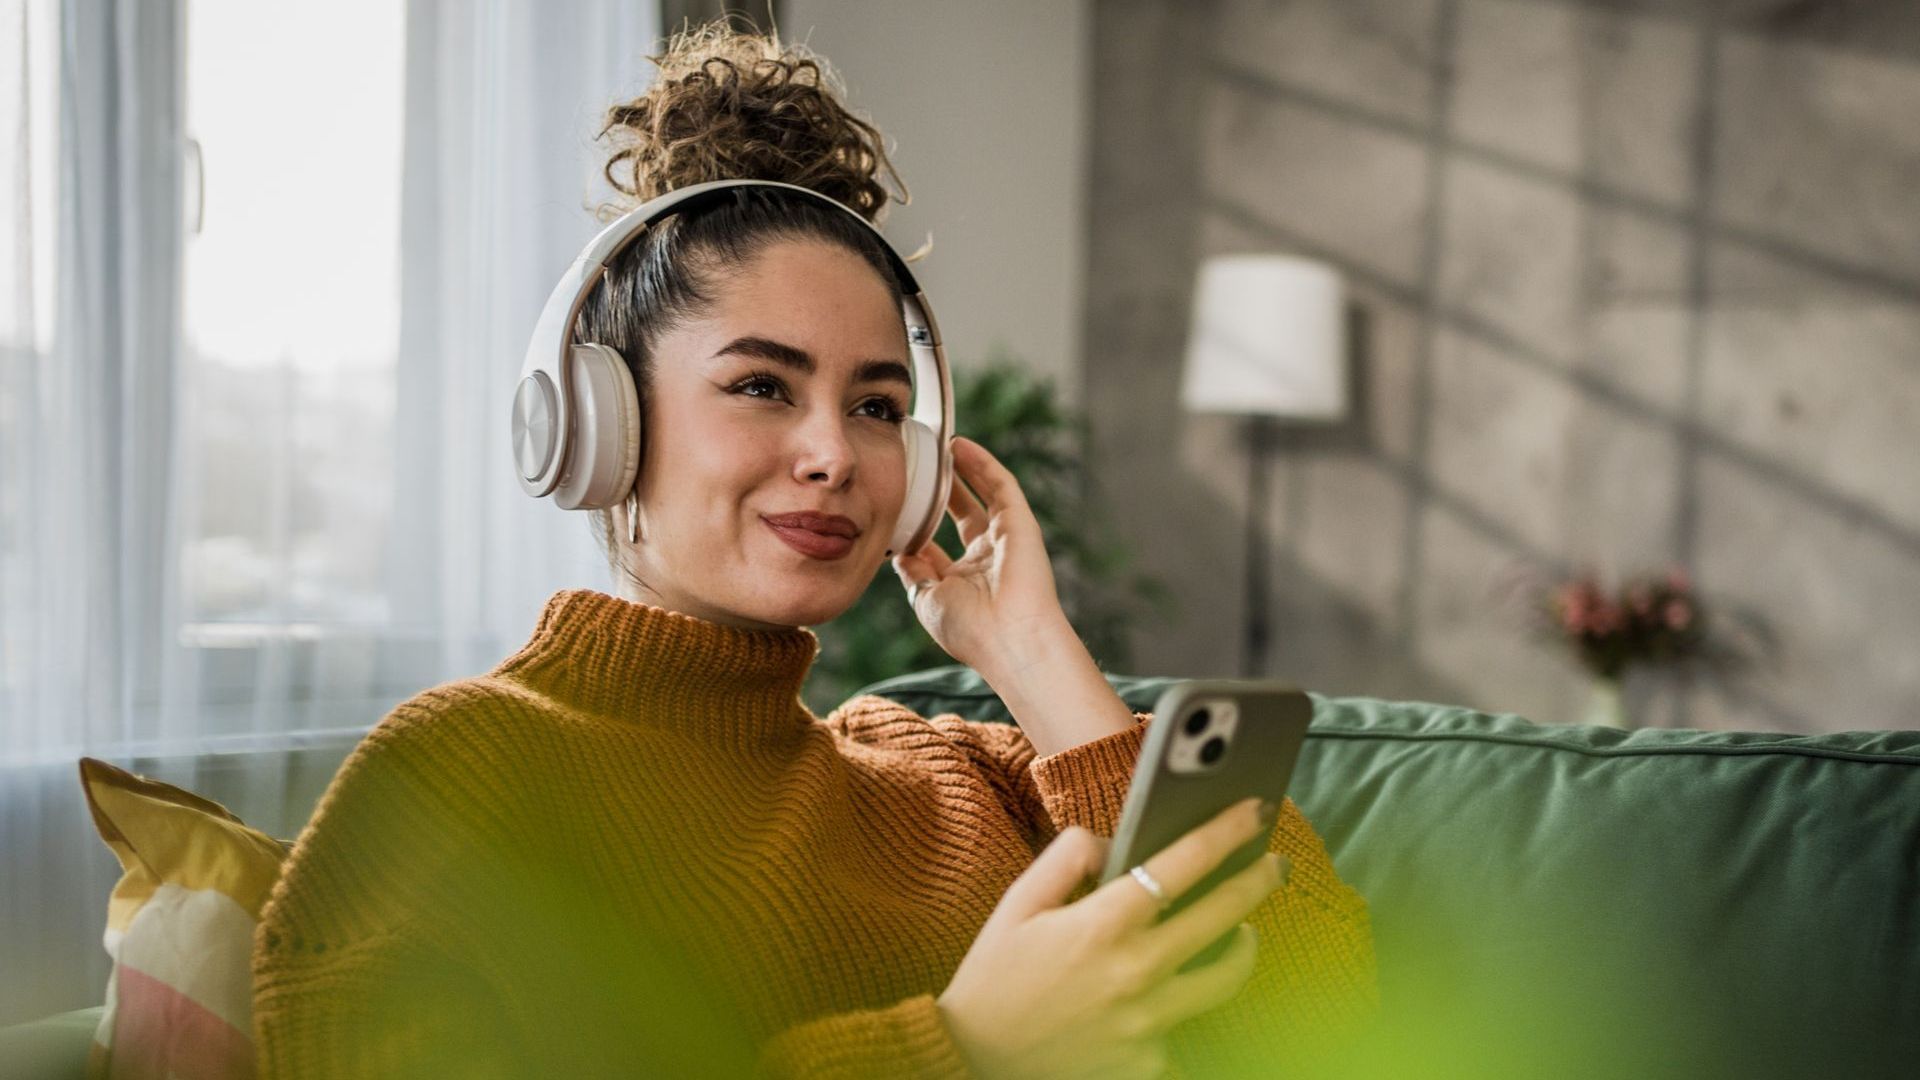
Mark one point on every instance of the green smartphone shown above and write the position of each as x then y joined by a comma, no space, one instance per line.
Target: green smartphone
1212,743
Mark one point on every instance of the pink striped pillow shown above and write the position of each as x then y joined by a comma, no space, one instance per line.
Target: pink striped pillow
179,928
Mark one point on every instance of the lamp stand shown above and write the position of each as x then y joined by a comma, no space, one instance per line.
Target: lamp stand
1260,428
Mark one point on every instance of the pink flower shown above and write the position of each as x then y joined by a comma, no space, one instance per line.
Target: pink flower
1678,614
1677,579
1571,604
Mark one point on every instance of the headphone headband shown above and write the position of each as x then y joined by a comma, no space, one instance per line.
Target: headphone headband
545,425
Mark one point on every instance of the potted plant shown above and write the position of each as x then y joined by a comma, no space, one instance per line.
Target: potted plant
1651,621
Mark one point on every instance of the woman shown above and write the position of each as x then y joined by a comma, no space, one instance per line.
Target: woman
631,849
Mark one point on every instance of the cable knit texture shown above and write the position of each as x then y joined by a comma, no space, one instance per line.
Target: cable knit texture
630,848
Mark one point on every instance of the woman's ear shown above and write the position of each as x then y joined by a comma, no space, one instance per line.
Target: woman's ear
631,508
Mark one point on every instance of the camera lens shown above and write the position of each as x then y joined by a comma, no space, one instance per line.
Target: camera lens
1197,721
1211,750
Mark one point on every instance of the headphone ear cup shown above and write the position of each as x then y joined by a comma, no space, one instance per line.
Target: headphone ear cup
928,477
603,459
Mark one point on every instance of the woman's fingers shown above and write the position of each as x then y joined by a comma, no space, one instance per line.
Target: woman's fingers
997,486
929,564
968,515
1182,864
936,559
1191,993
1169,944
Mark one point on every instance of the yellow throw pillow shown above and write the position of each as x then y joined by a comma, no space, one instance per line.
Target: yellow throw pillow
179,928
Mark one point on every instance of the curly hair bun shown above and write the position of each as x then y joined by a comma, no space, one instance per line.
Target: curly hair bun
731,105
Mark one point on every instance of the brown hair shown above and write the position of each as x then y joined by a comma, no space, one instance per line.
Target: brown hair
726,105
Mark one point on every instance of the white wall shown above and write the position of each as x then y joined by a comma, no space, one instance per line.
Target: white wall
985,106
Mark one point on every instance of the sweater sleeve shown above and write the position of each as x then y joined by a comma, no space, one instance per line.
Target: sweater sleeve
999,754
907,1039
1083,785
1087,785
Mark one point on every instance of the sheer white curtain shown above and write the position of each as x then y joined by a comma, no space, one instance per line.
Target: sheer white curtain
223,555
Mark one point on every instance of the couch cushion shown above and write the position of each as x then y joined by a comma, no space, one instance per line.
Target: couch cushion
1571,900
180,925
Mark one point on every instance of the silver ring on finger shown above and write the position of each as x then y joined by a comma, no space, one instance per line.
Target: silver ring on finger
1148,883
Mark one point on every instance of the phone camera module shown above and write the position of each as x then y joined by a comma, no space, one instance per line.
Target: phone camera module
1200,732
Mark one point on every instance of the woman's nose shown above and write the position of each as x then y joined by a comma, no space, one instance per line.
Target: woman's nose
825,452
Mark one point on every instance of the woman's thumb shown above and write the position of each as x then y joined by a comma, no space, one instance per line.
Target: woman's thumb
909,569
1073,856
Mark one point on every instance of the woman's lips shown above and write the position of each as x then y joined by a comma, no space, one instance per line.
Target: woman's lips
813,544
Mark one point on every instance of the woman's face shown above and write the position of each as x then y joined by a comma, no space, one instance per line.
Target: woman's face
786,396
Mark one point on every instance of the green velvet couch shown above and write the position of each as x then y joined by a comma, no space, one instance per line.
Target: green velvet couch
1572,901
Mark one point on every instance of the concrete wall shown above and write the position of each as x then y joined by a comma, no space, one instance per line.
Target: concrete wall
1635,283
987,102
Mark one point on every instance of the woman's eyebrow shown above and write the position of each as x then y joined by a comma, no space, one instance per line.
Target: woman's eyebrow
795,357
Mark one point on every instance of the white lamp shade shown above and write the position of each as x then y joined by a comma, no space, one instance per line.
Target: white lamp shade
1269,336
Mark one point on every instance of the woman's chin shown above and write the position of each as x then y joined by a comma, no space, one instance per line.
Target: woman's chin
791,589
808,604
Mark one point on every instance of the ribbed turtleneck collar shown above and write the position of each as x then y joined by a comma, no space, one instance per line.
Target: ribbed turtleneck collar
633,661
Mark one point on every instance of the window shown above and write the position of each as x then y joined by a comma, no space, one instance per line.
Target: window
290,326
290,314
215,522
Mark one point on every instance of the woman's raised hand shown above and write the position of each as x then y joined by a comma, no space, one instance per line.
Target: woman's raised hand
1001,587
1091,988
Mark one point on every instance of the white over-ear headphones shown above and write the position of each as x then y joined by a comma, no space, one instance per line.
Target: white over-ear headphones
576,415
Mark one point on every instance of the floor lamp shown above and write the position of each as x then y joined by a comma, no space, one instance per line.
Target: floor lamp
1268,341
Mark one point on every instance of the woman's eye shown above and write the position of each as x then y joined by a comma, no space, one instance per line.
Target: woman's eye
890,410
758,380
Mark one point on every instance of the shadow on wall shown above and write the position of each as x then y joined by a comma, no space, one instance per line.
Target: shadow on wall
1607,256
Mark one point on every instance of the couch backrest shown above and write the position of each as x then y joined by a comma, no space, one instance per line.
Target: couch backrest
1570,900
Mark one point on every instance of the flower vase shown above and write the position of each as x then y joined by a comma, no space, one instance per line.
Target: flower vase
1605,705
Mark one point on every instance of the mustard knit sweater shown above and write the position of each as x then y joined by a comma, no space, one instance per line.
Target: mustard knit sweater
631,850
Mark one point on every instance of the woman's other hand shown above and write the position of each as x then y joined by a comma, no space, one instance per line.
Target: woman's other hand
1001,588
1050,989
